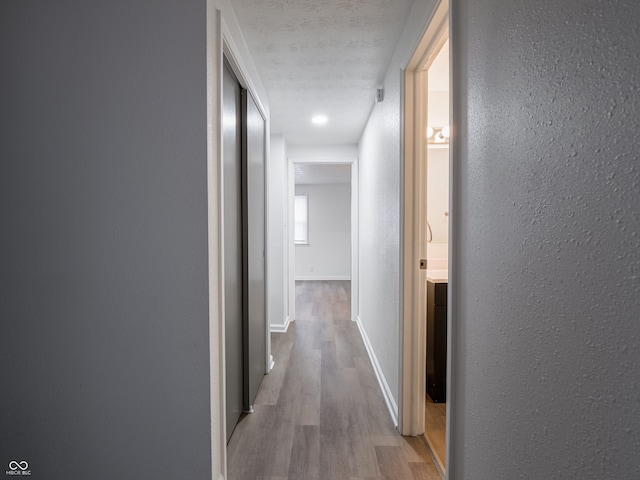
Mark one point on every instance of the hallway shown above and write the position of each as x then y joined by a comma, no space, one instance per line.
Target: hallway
320,413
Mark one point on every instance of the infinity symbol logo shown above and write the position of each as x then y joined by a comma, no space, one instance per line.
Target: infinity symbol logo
23,465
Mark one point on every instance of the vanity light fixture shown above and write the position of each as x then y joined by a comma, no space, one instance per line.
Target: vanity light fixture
319,120
438,135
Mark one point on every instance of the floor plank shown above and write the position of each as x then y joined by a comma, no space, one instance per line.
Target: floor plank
320,413
421,471
435,428
392,463
305,455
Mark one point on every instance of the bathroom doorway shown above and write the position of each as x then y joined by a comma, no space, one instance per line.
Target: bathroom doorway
426,369
437,242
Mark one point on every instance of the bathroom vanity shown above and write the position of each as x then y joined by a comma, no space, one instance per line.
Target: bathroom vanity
437,339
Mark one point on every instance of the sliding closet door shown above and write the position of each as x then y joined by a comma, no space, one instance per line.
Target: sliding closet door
255,247
232,187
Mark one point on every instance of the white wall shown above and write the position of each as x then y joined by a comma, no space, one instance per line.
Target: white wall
277,241
438,171
379,164
328,255
323,153
438,108
438,193
546,240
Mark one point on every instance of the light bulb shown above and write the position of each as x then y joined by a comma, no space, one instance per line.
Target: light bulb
445,131
319,120
429,132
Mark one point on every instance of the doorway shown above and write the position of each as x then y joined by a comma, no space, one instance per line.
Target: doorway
334,256
437,240
426,309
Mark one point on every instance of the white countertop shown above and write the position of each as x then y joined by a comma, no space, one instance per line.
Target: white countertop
437,276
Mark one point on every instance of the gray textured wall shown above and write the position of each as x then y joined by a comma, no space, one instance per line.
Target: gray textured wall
546,206
380,209
103,251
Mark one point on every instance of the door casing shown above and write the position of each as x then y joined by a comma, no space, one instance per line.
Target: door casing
414,187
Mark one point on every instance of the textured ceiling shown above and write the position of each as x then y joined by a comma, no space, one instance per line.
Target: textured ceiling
321,57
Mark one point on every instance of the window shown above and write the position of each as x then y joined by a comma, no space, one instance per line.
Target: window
301,219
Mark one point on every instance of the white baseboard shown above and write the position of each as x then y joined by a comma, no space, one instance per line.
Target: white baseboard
324,277
384,386
271,362
281,328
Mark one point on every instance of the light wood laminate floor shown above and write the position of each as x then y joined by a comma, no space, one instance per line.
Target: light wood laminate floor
435,429
320,413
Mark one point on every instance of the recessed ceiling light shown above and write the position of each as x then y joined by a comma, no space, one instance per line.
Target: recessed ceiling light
319,120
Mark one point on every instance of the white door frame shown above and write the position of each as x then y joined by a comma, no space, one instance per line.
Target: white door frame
290,244
217,389
413,288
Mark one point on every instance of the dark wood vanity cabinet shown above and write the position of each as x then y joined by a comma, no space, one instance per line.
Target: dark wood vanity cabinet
437,341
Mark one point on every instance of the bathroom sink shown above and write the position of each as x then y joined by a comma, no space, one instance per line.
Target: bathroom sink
438,270
438,276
